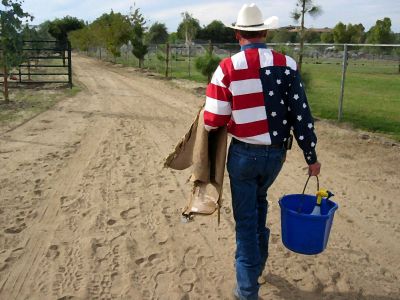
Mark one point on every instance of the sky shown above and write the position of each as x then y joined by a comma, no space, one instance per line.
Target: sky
169,12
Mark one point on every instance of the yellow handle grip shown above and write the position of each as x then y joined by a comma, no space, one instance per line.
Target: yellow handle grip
321,193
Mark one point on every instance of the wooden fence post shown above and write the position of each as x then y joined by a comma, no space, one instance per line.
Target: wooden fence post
345,58
166,60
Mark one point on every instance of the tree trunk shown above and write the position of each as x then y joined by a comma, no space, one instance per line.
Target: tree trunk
5,84
303,12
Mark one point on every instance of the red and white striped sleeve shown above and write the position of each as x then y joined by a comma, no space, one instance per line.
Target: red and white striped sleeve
218,110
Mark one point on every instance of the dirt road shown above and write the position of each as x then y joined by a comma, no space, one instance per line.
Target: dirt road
88,212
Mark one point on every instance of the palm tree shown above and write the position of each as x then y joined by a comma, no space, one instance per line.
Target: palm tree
304,7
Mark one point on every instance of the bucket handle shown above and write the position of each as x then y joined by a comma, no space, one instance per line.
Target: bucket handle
305,186
299,210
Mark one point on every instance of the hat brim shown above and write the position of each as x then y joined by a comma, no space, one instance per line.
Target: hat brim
270,23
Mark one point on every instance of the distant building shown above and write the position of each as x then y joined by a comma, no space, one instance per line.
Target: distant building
292,28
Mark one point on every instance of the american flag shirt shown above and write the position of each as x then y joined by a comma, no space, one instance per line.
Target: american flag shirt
259,95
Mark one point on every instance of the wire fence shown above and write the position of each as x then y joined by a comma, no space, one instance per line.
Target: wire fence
357,83
182,57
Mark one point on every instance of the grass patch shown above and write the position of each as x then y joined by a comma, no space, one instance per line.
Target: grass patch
178,68
27,102
371,97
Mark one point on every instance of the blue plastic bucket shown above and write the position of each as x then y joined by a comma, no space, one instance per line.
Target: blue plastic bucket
301,232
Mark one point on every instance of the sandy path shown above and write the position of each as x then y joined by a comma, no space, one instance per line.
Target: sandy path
88,212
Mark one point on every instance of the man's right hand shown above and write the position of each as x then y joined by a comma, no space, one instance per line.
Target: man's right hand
314,169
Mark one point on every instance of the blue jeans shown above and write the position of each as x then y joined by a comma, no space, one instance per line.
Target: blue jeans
251,172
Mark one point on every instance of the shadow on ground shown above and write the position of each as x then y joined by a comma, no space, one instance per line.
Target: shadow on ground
288,291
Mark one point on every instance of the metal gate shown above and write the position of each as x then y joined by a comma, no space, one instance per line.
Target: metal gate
44,62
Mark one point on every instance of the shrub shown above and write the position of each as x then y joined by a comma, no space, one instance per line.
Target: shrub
207,64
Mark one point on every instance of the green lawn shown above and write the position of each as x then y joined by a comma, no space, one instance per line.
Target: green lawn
371,98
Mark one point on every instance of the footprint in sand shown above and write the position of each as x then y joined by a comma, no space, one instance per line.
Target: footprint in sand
139,261
14,255
130,213
69,298
15,229
191,257
148,261
111,222
53,252
188,278
160,237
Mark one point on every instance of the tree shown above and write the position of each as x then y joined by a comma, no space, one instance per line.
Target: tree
340,34
282,36
83,38
356,33
343,34
29,33
312,36
43,30
327,37
217,32
111,31
157,34
188,28
173,38
59,28
208,63
304,7
11,19
137,36
381,33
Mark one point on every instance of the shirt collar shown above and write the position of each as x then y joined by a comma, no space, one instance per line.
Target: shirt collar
253,46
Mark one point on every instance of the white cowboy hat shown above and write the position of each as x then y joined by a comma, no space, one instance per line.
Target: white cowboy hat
250,19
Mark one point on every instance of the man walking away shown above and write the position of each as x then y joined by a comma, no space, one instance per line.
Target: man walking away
259,95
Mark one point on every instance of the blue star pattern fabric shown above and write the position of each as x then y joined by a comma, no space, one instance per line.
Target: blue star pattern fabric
287,108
